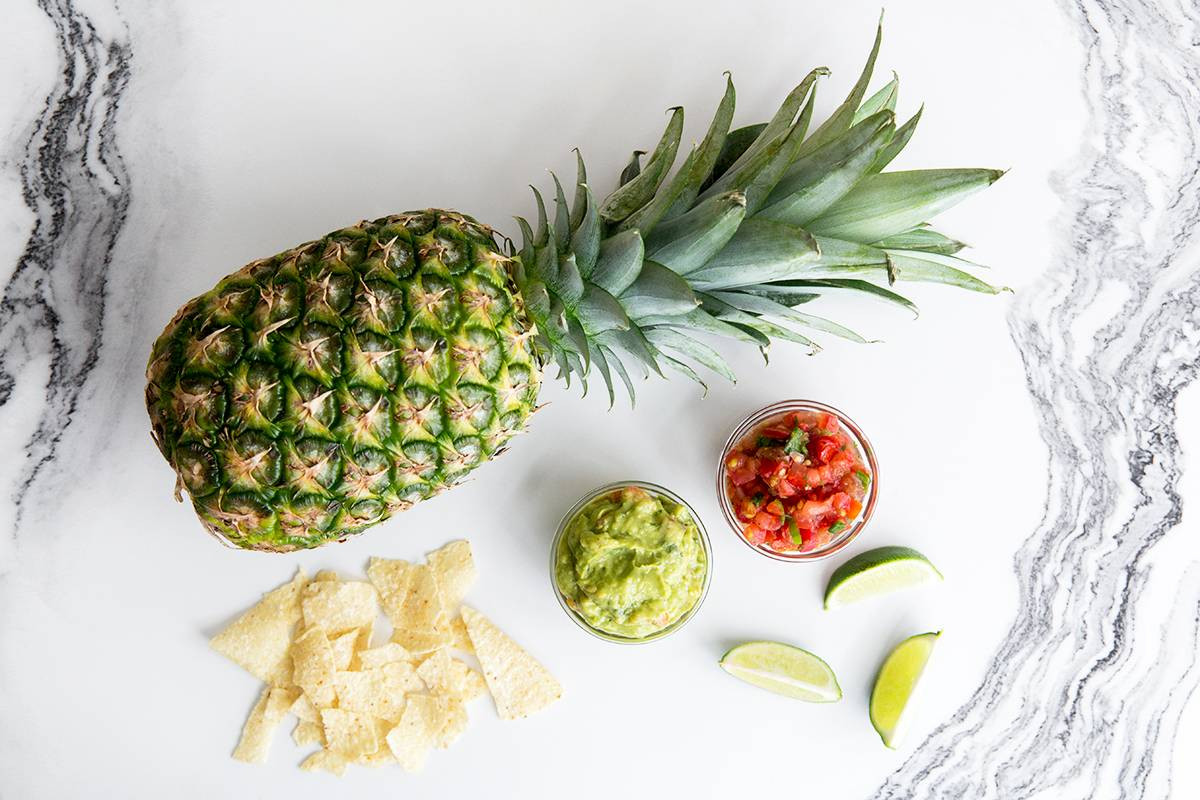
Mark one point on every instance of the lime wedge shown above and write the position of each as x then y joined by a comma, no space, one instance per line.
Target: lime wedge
876,572
894,685
783,669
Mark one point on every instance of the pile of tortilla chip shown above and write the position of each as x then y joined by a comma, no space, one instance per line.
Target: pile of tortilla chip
312,643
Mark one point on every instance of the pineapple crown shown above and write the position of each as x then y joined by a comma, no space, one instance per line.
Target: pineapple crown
756,222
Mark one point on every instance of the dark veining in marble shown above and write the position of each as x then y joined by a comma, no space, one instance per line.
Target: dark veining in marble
75,182
1085,693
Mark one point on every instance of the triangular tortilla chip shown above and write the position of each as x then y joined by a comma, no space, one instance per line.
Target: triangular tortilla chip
454,569
384,654
267,713
326,760
518,683
338,606
313,667
308,733
259,640
412,739
378,692
353,735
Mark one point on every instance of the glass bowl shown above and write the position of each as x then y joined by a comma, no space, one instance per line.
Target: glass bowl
844,537
575,615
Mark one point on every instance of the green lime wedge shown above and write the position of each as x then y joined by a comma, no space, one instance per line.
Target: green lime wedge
783,669
894,685
876,572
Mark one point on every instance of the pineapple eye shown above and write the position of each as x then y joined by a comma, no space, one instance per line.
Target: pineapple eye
377,307
199,404
197,468
313,465
311,407
251,462
315,350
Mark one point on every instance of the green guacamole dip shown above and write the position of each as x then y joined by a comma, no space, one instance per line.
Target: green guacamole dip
631,563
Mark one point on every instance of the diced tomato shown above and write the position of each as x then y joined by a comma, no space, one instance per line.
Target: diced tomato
840,502
768,521
824,448
828,423
754,534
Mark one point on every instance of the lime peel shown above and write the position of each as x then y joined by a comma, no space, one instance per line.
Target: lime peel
783,669
877,572
895,683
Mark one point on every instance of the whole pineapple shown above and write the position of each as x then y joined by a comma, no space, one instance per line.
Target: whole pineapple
315,393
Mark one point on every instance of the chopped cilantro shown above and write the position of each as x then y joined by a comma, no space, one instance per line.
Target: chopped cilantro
764,441
794,530
837,527
863,478
797,442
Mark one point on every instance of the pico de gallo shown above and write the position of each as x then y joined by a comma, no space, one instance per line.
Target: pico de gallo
796,481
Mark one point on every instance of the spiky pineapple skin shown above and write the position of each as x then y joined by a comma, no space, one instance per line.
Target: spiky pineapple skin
315,393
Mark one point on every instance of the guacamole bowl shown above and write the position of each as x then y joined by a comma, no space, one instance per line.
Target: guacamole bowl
631,562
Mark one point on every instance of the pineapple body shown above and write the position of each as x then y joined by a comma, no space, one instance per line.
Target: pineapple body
315,393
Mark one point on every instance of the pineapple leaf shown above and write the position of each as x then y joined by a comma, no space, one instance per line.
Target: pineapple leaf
637,192
632,169
567,282
850,284
700,320
899,141
683,369
783,121
761,186
680,192
633,342
818,180
601,362
762,250
688,242
763,306
585,241
923,239
883,100
912,268
542,235
839,122
737,142
735,316
618,367
892,202
600,311
562,216
657,290
619,262
673,340
580,203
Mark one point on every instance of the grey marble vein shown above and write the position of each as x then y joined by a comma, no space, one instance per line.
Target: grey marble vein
1084,695
74,180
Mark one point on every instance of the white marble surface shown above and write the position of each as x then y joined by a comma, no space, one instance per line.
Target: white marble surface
1032,446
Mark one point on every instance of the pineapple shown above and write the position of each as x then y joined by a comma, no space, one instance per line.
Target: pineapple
315,393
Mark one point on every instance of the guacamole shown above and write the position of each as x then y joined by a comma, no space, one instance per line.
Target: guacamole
631,563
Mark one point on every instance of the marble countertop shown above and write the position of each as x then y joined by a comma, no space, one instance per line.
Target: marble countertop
1031,444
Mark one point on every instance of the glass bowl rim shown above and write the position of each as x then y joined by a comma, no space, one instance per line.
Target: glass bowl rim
705,544
758,417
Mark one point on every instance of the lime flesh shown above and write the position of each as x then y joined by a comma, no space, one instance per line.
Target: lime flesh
876,572
783,669
894,685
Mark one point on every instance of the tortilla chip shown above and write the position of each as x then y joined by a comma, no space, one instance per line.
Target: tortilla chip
313,667
342,648
408,593
378,692
326,575
308,733
454,569
518,683
454,721
383,756
326,760
267,713
338,606
304,709
421,643
353,735
384,654
459,639
362,643
259,639
412,739
469,682
439,675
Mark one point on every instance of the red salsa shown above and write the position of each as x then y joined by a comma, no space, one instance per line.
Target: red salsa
796,481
